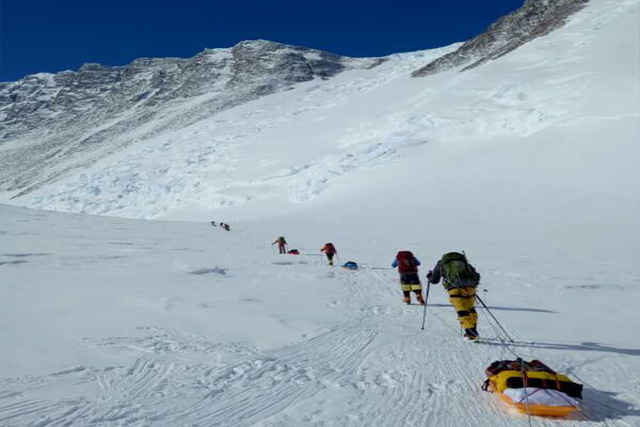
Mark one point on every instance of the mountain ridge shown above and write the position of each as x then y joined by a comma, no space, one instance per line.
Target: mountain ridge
69,112
536,18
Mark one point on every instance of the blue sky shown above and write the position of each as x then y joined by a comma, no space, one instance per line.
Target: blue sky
56,35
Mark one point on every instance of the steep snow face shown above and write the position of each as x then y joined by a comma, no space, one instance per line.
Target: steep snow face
540,128
535,19
261,141
53,125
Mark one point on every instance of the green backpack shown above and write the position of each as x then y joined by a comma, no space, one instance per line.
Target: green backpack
458,273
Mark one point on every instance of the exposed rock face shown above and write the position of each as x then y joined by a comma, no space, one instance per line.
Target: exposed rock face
534,19
99,109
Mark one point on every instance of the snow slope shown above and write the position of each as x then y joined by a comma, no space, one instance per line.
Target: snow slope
114,322
526,162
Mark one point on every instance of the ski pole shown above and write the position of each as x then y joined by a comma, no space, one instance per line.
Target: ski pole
426,299
494,317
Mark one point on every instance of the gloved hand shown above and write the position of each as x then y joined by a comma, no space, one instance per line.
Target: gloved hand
429,275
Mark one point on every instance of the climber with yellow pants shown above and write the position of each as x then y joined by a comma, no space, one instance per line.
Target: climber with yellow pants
460,282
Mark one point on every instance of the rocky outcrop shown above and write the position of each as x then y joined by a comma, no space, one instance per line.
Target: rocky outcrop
100,109
534,19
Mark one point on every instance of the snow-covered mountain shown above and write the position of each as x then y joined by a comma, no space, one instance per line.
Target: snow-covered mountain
264,129
536,18
527,161
327,134
56,124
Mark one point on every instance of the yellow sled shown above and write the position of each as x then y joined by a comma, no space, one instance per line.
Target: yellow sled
546,392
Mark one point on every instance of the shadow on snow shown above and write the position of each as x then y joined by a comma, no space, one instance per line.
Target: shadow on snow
604,405
531,310
583,346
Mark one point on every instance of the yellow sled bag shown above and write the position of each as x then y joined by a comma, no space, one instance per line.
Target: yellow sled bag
533,388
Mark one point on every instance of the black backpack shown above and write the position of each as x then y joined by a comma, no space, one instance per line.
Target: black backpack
457,272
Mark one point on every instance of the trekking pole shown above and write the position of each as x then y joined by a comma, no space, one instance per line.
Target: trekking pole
494,318
426,299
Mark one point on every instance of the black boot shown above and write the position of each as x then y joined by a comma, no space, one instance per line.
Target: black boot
471,334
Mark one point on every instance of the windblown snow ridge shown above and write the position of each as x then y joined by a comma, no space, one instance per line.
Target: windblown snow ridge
536,18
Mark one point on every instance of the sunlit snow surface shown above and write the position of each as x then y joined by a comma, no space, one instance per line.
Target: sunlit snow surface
529,163
108,321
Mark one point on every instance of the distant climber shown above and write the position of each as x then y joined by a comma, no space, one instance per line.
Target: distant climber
214,223
282,244
330,251
226,226
460,282
409,280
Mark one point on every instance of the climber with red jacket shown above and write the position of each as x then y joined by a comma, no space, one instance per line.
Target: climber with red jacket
329,250
409,281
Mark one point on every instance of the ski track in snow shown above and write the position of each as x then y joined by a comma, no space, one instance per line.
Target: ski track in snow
376,369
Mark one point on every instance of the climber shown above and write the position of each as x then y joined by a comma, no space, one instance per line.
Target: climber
282,244
460,282
409,280
330,251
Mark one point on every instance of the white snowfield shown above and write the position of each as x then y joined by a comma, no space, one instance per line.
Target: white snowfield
528,163
116,322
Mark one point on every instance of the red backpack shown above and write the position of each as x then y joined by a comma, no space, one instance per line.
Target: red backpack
406,262
329,248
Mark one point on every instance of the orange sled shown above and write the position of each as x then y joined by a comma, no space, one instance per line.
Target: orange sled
539,410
